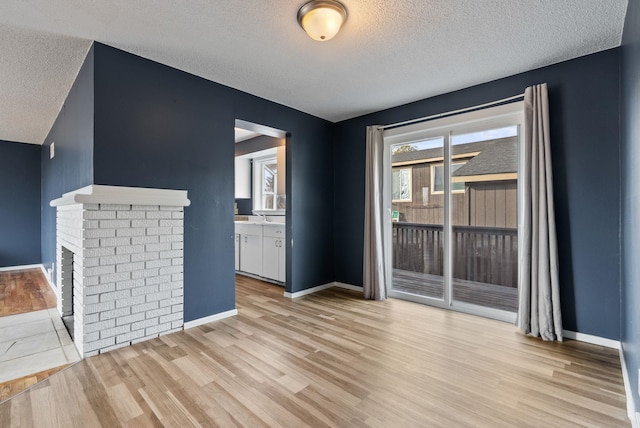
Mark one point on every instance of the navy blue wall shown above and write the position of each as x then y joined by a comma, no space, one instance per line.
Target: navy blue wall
72,166
20,209
245,206
160,127
584,110
630,160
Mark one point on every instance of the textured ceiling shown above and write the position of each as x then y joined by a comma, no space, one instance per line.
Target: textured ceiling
388,52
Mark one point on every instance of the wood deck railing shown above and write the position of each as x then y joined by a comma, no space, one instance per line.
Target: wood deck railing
482,254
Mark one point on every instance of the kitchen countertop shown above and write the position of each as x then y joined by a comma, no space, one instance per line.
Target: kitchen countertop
260,223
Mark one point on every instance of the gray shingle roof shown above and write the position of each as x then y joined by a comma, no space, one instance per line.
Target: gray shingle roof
496,157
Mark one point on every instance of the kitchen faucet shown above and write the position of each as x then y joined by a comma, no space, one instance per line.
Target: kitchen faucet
261,215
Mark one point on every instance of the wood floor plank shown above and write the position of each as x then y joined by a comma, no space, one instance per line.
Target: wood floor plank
13,387
334,359
24,290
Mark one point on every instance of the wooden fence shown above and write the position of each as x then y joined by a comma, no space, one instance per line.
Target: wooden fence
481,254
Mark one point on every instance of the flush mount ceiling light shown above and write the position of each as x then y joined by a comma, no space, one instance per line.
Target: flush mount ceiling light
322,19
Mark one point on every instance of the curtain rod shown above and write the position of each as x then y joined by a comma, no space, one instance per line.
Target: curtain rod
450,113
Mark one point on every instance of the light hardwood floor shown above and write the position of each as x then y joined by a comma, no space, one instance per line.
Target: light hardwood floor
333,359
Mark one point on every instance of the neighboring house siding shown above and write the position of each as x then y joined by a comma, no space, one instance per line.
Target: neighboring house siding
491,204
431,209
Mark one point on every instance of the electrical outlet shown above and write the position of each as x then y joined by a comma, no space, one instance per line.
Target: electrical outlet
52,150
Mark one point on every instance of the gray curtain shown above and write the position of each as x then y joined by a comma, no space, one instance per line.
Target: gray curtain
539,295
374,260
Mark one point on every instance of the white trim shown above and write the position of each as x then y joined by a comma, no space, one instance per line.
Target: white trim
10,268
348,286
494,117
307,291
260,129
320,288
631,407
595,340
210,318
49,280
98,194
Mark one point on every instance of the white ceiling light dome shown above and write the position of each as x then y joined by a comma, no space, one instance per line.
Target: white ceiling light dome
322,19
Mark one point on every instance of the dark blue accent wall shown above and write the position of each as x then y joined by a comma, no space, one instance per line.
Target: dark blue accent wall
160,127
72,166
20,208
584,110
630,162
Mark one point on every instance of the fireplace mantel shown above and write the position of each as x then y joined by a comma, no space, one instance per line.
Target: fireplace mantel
99,194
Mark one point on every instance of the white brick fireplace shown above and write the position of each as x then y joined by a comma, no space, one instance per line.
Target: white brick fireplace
120,264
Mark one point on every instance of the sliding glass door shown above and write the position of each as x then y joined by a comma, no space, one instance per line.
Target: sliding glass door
453,238
418,216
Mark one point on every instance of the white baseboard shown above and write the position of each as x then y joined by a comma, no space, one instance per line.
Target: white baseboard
307,291
210,318
49,279
21,267
320,288
595,340
634,417
347,286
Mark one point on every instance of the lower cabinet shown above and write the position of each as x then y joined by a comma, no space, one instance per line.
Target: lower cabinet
273,258
249,248
260,250
274,253
251,254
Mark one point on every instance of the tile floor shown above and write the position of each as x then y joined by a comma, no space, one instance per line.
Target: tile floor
34,342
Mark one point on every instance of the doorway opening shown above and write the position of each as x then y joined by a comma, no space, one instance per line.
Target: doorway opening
261,223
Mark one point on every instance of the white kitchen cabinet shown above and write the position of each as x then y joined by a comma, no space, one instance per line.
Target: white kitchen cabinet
270,257
260,250
250,236
274,253
251,254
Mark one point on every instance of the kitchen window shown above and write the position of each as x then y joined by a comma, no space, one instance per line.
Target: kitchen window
265,189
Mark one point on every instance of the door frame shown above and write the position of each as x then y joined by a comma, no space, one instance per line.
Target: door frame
489,118
278,133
